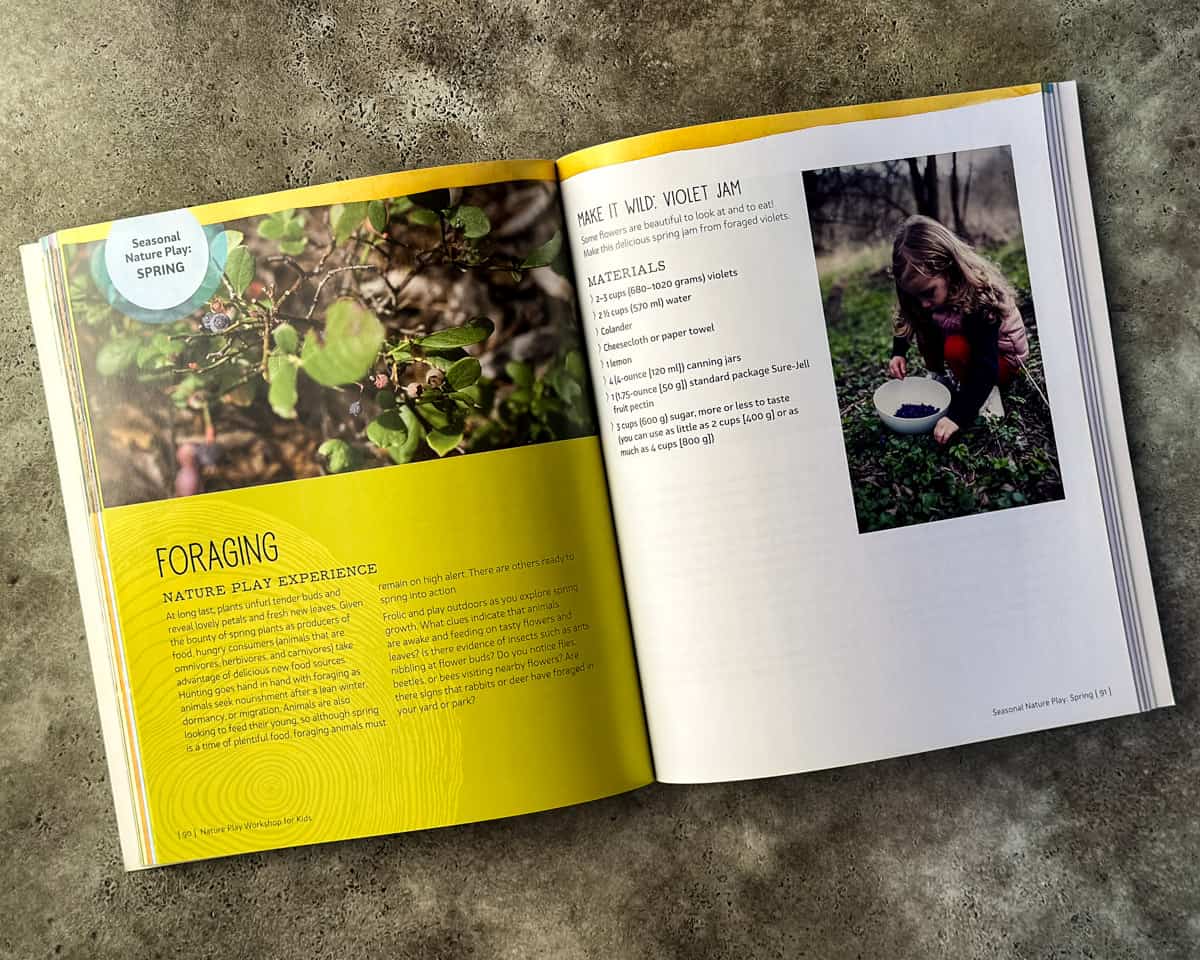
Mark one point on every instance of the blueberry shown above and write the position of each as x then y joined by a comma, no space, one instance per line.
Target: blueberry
914,411
216,322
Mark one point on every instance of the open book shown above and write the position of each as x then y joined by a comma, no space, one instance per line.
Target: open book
727,452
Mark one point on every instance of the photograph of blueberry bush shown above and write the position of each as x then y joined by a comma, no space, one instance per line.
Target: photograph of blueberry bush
990,464
341,338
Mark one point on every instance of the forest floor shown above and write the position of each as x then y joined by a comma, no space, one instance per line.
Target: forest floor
905,479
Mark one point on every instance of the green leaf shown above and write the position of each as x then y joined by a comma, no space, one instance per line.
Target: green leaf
340,455
574,364
282,396
442,443
233,238
519,373
156,353
239,269
423,217
472,221
473,331
287,227
286,338
564,386
293,228
463,373
353,336
544,255
185,388
545,405
345,218
149,361
447,421
520,397
401,205
402,352
389,429
416,436
439,362
272,226
431,199
116,355
377,215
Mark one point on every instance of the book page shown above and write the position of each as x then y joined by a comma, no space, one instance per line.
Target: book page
340,513
822,566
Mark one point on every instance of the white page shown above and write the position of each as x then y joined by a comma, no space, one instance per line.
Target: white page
771,635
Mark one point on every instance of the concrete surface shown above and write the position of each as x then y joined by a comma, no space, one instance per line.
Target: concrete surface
1075,843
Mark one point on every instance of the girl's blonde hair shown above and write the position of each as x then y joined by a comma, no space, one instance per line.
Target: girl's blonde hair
924,248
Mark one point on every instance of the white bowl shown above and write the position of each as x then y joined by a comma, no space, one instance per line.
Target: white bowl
895,393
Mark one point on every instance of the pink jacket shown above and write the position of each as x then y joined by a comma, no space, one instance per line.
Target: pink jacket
1014,341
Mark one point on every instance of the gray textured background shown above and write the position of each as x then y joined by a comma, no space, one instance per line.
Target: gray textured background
1075,843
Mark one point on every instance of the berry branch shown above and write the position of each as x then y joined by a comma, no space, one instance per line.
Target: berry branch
421,390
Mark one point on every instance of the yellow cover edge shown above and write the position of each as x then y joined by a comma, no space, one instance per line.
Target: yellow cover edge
750,128
350,191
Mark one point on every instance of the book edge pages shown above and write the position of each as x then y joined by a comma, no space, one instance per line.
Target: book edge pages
1082,254
71,479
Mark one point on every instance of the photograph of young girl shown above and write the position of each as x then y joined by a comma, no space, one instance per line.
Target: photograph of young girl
933,335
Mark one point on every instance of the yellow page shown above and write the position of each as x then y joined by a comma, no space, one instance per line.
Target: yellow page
349,510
